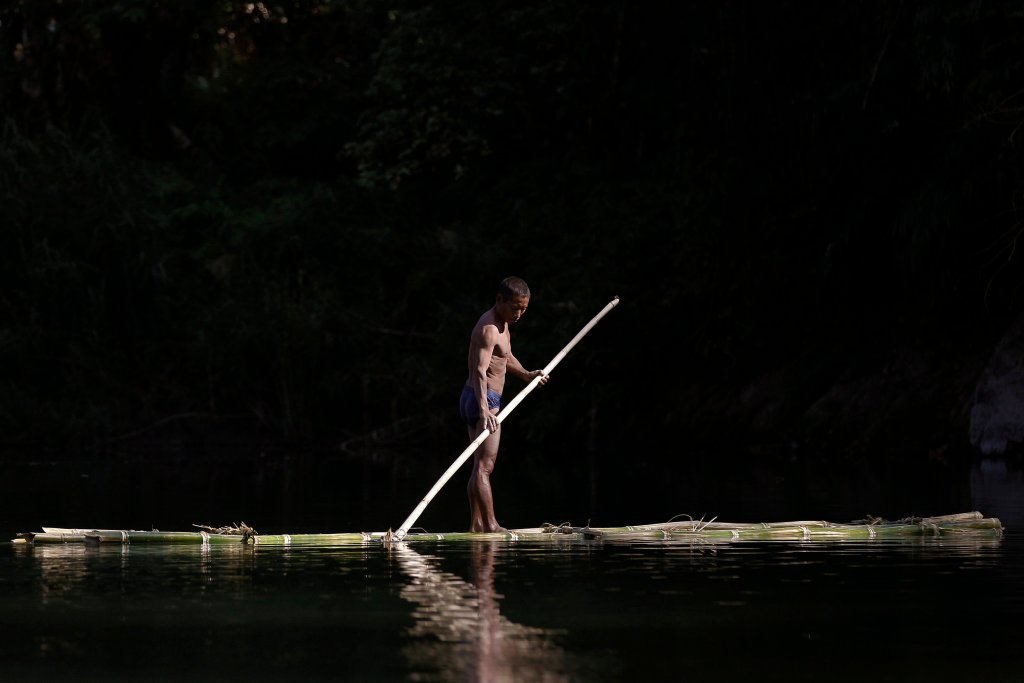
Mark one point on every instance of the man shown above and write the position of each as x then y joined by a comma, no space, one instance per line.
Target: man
490,357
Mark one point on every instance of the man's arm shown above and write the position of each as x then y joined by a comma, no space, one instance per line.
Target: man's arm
483,347
516,368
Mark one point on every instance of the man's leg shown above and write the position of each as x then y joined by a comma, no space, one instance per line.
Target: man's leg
481,501
476,520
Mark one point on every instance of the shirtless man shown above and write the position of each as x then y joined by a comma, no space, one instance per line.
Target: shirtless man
490,357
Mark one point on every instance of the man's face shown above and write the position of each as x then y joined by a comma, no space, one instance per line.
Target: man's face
511,309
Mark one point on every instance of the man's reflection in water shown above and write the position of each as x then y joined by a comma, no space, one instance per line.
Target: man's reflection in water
459,631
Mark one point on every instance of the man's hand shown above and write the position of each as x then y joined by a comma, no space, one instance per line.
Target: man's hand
539,373
489,421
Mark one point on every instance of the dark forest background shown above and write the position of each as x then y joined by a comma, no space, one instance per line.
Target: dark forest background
260,228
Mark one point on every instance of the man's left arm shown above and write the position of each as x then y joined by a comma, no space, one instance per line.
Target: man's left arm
517,370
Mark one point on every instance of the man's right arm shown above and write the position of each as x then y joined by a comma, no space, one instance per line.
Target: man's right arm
484,342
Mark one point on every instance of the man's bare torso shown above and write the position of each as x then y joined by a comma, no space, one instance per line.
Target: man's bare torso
499,353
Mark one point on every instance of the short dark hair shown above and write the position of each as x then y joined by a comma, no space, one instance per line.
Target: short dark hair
513,286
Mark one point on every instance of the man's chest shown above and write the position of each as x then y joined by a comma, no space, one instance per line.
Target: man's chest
503,346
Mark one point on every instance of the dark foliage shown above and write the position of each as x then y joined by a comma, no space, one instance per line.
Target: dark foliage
278,222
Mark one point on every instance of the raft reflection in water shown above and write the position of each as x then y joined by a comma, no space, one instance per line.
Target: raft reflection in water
460,633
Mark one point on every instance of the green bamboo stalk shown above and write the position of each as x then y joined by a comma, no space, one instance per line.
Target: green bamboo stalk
314,539
798,531
179,537
31,537
365,538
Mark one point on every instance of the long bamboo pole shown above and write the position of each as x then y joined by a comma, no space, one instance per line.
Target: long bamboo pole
505,412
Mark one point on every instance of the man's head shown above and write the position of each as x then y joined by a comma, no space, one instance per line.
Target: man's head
513,286
512,299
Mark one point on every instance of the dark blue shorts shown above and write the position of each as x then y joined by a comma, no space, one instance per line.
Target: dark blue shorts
469,411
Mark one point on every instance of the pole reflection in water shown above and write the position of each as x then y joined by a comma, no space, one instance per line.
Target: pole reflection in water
459,630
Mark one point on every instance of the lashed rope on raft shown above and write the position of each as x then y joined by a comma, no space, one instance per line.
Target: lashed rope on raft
240,529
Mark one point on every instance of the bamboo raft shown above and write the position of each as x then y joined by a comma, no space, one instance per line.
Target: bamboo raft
968,524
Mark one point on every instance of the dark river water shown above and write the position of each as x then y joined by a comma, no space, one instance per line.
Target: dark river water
926,610
933,609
